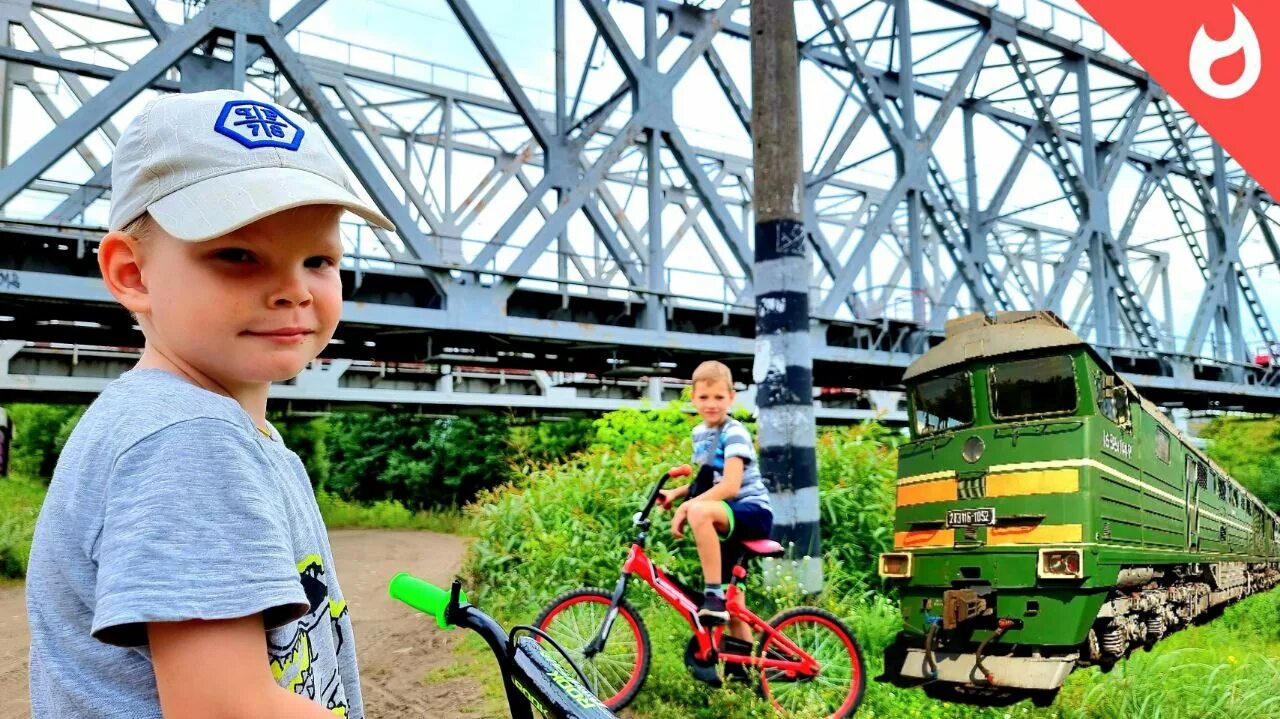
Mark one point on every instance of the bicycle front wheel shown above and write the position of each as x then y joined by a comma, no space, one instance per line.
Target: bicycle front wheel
836,690
614,674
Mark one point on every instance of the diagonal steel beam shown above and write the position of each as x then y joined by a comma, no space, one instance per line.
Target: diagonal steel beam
151,20
62,138
832,164
730,89
514,220
917,152
312,95
498,66
85,195
374,137
614,38
630,266
573,203
1118,152
706,190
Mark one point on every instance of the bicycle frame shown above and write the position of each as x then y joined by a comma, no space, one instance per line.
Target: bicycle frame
639,564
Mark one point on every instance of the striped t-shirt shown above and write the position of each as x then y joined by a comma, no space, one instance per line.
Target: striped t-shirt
735,441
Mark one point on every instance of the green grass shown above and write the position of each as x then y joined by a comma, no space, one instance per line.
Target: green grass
339,513
20,500
1229,667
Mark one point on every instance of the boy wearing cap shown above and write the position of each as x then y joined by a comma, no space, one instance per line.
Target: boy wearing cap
180,566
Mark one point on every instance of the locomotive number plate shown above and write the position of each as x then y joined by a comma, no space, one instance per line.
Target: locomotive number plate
985,516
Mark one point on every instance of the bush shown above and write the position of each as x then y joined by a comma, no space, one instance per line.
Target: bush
308,437
39,433
387,514
1249,450
547,440
419,461
20,501
627,430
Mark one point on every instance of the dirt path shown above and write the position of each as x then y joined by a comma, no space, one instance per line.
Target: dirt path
397,647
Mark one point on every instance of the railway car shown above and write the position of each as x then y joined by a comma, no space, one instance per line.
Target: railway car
1048,517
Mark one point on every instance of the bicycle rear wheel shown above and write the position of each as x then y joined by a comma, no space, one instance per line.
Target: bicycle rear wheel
836,691
615,674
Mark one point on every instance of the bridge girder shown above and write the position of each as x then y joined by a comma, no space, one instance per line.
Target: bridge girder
536,215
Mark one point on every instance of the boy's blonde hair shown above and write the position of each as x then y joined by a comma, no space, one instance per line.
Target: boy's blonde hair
713,371
139,227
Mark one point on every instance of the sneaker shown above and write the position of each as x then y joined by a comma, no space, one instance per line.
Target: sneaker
713,613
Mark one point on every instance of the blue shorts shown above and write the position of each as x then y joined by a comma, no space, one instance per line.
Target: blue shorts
747,520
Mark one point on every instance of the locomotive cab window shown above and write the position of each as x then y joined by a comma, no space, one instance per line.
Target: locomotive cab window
943,403
1033,387
1113,399
1162,445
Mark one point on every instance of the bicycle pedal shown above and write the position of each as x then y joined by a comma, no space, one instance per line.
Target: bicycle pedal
703,671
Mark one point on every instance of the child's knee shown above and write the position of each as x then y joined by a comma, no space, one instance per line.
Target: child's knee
702,514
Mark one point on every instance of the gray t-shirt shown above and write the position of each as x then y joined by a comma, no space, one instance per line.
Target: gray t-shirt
167,504
735,441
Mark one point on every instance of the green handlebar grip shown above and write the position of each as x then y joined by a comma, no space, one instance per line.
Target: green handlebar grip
423,596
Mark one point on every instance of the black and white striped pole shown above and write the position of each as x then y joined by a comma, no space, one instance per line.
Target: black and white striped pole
783,370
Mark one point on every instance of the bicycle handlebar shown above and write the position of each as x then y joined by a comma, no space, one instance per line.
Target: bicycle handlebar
683,470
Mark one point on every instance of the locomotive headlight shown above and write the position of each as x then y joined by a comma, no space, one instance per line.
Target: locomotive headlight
972,449
1061,564
896,565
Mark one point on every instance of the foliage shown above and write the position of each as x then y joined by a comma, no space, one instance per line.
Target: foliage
20,500
1227,668
1249,450
547,440
418,461
627,430
308,437
338,513
39,432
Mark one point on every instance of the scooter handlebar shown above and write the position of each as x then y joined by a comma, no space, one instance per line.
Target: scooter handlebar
423,596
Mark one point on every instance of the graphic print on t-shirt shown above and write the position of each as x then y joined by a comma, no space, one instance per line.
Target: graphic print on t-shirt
291,662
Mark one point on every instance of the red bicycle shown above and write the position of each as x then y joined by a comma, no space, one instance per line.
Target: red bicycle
808,660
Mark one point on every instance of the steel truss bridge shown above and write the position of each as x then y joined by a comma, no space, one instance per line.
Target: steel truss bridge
569,240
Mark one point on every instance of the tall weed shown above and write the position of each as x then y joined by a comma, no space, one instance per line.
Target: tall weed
20,500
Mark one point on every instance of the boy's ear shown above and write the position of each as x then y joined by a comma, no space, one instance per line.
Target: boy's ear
120,262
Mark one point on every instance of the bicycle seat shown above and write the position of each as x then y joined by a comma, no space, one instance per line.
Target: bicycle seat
763,547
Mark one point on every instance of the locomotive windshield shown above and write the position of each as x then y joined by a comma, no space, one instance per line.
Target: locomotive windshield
1036,386
943,403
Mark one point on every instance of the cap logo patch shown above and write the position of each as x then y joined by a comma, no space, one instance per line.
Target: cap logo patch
257,124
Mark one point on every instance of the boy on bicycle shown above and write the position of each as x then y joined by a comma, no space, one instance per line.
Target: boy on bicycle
728,499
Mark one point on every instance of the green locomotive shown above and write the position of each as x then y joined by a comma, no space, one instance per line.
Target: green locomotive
1048,517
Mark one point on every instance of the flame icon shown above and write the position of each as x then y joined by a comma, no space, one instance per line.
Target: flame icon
1205,51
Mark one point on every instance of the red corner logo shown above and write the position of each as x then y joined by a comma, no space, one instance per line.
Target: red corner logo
1205,51
1220,59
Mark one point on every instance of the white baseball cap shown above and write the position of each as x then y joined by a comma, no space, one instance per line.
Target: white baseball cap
207,163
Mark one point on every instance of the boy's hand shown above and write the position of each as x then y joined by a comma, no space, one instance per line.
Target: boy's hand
666,497
679,520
